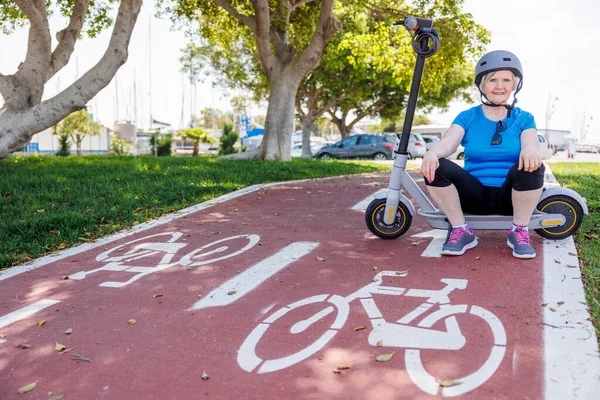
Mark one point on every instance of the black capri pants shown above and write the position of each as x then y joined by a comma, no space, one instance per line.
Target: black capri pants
475,198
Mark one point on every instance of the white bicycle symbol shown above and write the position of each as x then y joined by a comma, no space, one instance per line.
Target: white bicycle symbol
123,257
399,334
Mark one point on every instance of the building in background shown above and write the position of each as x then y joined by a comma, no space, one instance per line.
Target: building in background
45,142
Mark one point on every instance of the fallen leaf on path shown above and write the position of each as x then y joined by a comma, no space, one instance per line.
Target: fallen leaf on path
199,296
560,303
551,309
448,383
64,277
571,266
544,304
3,335
347,366
204,375
78,357
64,351
401,272
320,259
244,223
42,322
59,347
380,343
556,261
157,295
375,268
27,388
572,254
23,346
131,322
359,328
69,331
477,258
337,371
232,292
385,357
528,322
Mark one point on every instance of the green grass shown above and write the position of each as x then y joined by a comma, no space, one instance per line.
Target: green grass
584,178
51,203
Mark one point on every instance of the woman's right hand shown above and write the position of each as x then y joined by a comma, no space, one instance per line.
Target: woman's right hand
429,165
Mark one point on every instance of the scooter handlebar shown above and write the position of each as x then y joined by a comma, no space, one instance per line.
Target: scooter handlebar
409,23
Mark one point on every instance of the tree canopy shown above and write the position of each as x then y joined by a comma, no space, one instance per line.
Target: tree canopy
366,67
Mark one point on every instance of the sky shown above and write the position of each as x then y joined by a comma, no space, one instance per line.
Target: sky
556,41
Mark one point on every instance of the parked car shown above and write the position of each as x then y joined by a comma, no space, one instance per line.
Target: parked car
417,146
459,154
545,147
430,141
297,149
377,147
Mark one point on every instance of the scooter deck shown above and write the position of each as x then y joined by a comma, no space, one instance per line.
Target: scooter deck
538,220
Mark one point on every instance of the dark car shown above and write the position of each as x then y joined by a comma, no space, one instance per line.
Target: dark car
377,147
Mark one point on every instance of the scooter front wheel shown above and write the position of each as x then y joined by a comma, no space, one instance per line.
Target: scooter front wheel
569,208
374,217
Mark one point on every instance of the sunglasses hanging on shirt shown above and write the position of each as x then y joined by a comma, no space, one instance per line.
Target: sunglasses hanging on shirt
497,138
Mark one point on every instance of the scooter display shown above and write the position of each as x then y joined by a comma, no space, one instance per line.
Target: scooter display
560,211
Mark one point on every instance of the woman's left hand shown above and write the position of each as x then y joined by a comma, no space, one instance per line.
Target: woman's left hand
529,159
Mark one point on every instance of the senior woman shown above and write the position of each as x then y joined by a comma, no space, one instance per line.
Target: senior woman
503,171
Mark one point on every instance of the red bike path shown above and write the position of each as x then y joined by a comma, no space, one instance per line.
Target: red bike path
221,288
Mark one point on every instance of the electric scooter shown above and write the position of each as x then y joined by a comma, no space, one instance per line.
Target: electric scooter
559,212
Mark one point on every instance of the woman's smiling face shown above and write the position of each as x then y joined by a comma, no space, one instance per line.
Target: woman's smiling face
499,86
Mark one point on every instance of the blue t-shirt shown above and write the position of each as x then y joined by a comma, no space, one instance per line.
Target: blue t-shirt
490,163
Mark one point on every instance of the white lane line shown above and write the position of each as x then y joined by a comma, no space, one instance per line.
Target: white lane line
434,249
572,361
363,204
26,311
248,280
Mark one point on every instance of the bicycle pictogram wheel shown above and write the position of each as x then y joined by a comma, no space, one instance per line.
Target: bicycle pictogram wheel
249,361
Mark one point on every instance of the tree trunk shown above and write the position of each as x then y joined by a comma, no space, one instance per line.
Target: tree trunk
277,140
195,152
308,128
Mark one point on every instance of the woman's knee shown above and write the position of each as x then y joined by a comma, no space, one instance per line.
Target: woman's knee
443,173
523,180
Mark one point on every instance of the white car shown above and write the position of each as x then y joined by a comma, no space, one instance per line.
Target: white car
431,141
297,149
545,147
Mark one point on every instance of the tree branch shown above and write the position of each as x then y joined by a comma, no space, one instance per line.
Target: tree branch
39,43
76,96
375,9
67,38
262,35
327,26
372,109
300,3
244,19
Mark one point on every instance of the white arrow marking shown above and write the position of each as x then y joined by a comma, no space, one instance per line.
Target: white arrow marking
363,204
434,249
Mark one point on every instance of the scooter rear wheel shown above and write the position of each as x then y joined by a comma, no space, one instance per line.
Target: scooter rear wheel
374,217
569,208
